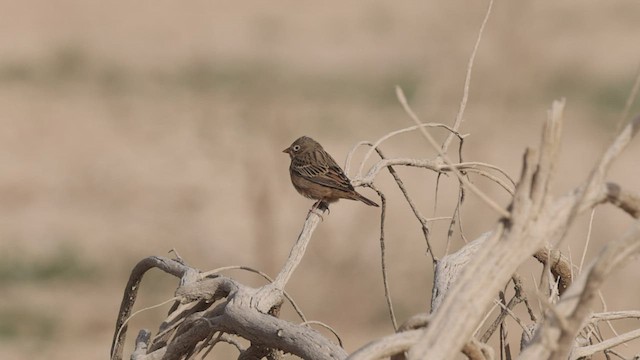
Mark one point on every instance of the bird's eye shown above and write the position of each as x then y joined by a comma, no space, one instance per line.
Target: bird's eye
296,147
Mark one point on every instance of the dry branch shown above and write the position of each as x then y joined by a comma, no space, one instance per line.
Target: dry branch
536,219
465,282
172,267
554,340
218,304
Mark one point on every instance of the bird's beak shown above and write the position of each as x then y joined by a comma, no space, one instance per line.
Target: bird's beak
287,150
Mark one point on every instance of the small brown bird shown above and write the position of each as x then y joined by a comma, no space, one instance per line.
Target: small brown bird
317,176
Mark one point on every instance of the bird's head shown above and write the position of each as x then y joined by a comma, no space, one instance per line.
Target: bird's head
302,145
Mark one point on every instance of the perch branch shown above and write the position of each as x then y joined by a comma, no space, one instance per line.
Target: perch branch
298,250
219,305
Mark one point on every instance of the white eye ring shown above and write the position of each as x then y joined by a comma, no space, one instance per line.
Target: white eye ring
296,147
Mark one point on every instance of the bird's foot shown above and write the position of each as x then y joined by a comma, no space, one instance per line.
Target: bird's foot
319,207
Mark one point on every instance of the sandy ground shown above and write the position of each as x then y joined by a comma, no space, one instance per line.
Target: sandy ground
131,128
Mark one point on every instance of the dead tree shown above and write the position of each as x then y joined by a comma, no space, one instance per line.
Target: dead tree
210,308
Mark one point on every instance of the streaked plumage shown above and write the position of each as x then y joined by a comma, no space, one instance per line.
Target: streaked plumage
316,175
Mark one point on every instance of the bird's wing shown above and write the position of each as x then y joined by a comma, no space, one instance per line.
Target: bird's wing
320,168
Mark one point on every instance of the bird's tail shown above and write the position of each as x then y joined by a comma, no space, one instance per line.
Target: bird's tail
357,196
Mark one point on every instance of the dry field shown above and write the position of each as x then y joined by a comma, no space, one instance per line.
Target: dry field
128,128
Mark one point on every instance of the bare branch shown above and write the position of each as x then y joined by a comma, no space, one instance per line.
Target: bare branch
535,220
383,262
298,250
169,266
615,315
446,159
387,346
628,202
448,269
467,80
379,142
576,301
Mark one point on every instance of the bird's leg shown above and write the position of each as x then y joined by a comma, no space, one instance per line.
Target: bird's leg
323,205
319,207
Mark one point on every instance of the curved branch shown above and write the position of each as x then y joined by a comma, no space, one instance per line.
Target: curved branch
378,142
434,165
169,266
387,346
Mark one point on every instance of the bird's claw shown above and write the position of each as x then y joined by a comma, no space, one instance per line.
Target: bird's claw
319,207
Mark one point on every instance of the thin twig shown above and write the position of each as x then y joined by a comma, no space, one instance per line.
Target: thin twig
385,281
630,100
412,205
456,218
609,343
484,197
615,315
586,244
604,309
467,79
435,166
516,318
143,310
394,133
321,324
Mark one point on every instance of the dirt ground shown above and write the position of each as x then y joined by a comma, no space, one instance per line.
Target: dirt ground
128,129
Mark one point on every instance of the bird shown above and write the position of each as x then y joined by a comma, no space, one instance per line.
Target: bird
316,175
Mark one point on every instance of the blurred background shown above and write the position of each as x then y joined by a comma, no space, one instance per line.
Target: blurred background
131,128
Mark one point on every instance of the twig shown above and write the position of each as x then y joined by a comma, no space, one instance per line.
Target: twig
467,80
614,315
604,309
143,310
625,200
517,298
321,324
586,244
383,264
517,319
584,351
412,205
394,133
630,99
456,218
484,197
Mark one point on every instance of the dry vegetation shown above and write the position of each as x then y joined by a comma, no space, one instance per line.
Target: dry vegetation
131,129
